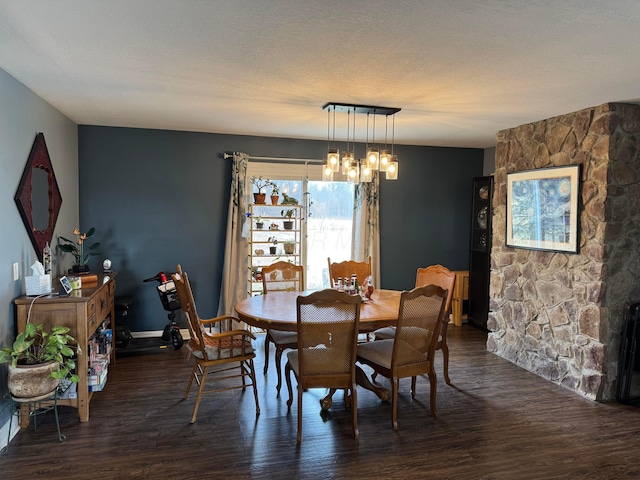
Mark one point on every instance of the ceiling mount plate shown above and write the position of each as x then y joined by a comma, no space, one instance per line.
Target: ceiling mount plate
369,109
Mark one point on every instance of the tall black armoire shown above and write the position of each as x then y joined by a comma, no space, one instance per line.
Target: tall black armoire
480,255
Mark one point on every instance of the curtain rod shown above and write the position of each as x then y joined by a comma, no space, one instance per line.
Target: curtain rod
279,159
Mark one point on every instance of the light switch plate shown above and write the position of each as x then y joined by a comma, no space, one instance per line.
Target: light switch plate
16,271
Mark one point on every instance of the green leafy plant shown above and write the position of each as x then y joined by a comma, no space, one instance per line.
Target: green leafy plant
275,190
77,246
36,346
288,213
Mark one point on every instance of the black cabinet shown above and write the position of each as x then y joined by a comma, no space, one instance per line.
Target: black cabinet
480,255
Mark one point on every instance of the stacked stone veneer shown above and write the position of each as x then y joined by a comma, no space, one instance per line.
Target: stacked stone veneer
560,315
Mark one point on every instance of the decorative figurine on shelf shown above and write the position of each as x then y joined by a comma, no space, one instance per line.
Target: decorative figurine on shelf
106,266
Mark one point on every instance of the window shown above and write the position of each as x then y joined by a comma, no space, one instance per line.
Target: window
327,214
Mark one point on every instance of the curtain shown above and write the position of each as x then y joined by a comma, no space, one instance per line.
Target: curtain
234,274
366,226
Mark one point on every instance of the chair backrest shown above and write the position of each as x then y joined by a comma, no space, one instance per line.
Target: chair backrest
420,318
282,276
440,276
328,323
347,268
188,304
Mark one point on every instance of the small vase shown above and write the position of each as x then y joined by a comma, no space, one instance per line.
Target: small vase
80,269
272,250
274,199
259,198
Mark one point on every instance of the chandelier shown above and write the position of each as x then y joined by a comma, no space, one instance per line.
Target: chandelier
375,159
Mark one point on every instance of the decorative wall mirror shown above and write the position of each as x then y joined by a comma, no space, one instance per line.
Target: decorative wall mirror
38,196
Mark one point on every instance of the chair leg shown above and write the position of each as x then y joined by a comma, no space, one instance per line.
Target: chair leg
433,387
252,375
413,387
354,410
445,363
267,341
287,374
299,436
203,380
279,368
395,384
193,376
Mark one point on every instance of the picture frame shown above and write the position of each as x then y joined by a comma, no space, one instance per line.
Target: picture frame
542,209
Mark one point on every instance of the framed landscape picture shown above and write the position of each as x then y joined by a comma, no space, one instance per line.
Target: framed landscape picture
542,209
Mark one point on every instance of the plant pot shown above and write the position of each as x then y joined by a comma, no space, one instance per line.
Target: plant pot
272,250
259,198
274,199
32,381
288,224
80,269
259,225
289,248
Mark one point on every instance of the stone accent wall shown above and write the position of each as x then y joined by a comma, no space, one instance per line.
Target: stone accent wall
559,315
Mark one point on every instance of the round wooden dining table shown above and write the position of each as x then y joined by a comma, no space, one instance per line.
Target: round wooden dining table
277,311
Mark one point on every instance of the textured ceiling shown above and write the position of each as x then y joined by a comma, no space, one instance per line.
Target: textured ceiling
460,70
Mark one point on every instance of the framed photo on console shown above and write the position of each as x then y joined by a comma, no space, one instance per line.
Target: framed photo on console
542,209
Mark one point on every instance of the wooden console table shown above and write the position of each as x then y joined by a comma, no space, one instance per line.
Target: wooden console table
83,311
460,294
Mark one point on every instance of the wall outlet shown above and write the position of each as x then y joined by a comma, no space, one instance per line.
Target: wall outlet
16,271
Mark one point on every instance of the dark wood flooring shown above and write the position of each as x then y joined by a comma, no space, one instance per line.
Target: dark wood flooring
498,422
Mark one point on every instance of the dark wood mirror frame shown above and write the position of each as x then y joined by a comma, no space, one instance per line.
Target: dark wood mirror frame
38,158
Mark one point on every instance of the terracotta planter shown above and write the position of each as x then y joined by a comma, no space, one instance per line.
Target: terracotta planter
32,381
274,199
289,248
259,198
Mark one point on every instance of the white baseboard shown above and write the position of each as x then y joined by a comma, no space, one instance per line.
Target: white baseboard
158,333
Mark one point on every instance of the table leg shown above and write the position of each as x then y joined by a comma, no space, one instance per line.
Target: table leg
362,380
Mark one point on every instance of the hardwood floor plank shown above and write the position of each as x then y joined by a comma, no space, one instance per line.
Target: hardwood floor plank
496,422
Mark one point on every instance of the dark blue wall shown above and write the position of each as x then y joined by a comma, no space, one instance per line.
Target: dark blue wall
158,198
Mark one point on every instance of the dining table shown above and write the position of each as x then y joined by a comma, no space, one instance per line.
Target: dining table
277,311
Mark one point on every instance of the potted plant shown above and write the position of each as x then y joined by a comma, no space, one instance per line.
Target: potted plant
259,223
288,214
275,194
272,249
77,248
289,247
261,184
38,360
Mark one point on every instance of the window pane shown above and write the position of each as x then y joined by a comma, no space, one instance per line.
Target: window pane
328,229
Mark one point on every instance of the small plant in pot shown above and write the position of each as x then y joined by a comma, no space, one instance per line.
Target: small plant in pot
288,214
261,184
38,359
275,194
289,247
79,249
273,248
259,223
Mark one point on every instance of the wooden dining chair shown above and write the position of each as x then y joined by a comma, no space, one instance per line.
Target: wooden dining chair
215,354
444,278
347,268
281,276
411,352
327,322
